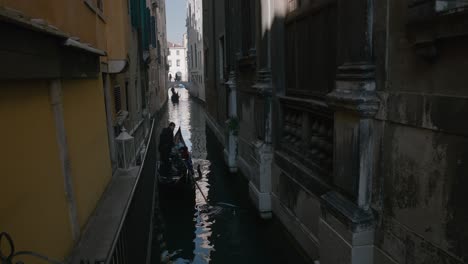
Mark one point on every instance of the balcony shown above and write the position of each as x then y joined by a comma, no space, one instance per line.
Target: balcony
307,135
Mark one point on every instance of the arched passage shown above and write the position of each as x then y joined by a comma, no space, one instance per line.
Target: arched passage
178,76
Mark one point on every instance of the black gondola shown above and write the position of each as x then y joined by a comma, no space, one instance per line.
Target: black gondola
180,173
175,97
177,204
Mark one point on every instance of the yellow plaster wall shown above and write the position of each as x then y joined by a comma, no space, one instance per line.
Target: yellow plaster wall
117,30
71,16
85,125
33,208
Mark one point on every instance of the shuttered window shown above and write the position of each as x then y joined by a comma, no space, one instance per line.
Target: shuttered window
135,12
117,99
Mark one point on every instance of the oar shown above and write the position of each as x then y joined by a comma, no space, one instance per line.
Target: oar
198,186
203,195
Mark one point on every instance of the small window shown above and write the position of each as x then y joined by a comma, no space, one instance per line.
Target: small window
137,95
205,66
177,52
449,5
196,55
170,63
191,55
293,5
178,63
169,52
127,97
221,58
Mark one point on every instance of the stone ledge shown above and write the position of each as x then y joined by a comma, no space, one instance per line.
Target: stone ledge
436,112
297,171
216,129
99,233
346,212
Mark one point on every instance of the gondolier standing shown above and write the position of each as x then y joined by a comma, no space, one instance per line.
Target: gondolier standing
166,142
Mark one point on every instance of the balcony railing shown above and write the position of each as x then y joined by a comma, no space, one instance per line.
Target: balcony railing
140,134
307,134
132,243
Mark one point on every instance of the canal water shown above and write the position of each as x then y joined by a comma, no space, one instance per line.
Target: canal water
216,223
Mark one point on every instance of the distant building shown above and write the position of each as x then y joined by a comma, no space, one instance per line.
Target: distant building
195,48
177,61
158,68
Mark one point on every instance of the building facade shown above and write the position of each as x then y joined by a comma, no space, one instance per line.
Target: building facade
215,65
196,48
346,120
158,68
67,90
177,61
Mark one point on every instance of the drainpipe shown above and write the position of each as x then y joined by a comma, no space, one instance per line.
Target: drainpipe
110,127
55,90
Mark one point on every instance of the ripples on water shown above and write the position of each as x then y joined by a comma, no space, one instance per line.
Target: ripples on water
223,228
190,117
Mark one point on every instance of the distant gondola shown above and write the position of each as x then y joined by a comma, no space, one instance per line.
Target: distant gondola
175,97
180,174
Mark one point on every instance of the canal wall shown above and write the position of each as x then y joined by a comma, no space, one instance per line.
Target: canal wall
218,130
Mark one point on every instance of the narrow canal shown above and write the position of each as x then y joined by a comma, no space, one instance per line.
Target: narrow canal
226,229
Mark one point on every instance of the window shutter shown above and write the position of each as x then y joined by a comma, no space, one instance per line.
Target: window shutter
134,12
117,99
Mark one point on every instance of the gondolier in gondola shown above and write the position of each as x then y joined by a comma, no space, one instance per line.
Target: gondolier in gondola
176,167
166,143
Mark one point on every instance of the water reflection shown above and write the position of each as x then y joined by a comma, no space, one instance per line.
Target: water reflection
190,117
215,222
179,113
